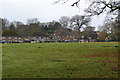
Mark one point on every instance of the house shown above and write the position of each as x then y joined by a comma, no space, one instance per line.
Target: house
40,37
10,39
89,37
65,36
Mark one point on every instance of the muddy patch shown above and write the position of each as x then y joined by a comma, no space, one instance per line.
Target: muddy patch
58,61
39,47
72,69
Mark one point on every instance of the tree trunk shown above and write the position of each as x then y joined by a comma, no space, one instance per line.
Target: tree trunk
79,34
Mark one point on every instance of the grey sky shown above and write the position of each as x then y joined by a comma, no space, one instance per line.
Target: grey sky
44,10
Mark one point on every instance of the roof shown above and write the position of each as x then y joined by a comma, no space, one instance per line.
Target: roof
92,35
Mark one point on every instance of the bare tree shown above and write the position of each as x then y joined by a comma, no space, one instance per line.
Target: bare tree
79,20
17,23
111,29
73,4
32,21
106,28
5,24
97,7
64,20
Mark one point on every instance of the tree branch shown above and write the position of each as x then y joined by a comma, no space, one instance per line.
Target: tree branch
57,1
75,3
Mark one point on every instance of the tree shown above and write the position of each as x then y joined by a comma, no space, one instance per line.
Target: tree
64,21
98,6
78,21
60,31
107,27
9,33
105,31
102,35
111,29
1,27
73,4
12,27
40,34
28,30
32,21
89,29
51,27
5,24
17,23
89,33
114,31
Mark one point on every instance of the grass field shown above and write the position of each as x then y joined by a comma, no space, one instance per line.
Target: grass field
60,60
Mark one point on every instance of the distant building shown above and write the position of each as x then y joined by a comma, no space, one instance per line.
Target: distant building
10,39
89,37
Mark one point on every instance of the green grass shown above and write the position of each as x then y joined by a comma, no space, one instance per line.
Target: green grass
60,60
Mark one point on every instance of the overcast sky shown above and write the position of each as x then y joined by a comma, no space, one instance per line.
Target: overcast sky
44,10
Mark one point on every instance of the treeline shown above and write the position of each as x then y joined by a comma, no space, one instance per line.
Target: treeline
34,29
64,27
111,30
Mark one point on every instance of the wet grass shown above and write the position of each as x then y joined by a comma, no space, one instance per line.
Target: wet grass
60,60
